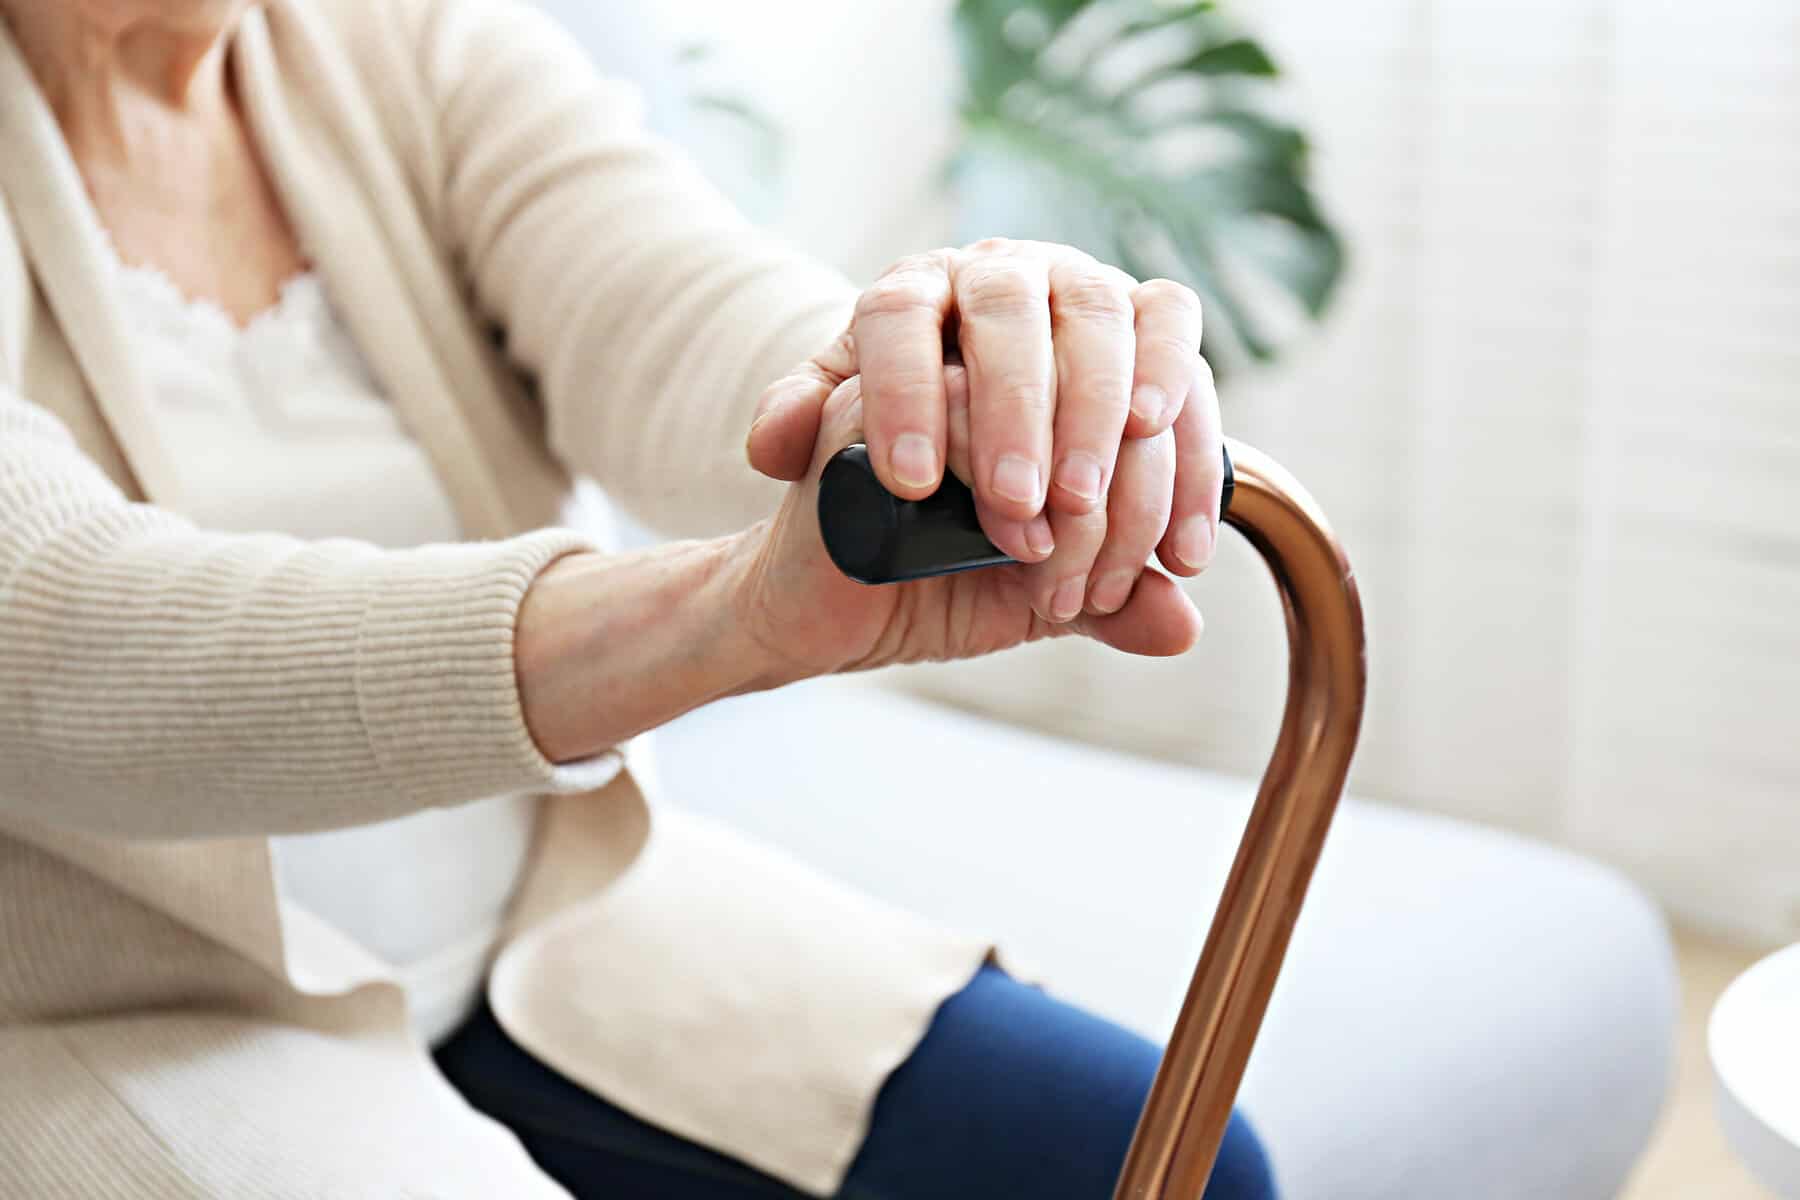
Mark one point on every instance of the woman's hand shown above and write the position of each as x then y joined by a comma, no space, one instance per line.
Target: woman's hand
806,618
1072,399
1076,405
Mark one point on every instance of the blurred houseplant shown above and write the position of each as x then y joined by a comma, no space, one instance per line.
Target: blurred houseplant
1144,132
740,145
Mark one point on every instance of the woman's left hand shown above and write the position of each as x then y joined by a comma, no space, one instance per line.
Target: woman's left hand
1092,432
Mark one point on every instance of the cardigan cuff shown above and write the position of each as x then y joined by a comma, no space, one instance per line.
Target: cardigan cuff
436,682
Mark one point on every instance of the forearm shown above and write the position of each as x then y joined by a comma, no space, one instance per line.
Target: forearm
650,314
159,680
609,647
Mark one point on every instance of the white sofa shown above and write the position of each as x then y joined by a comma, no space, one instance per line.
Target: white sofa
1464,1013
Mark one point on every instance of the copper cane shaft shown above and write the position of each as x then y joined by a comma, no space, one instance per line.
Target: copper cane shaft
1190,1103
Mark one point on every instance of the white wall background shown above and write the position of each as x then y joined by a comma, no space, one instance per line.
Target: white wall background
1556,414
865,93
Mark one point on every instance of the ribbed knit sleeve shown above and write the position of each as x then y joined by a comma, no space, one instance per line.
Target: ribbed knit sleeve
161,681
650,312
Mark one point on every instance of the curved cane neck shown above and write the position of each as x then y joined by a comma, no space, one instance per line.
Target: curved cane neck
1190,1103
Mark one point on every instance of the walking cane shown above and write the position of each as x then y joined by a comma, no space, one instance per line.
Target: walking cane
876,538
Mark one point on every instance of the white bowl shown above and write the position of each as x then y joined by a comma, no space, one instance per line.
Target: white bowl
1754,1041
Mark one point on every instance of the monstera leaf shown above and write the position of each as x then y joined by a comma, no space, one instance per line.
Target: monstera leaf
1145,132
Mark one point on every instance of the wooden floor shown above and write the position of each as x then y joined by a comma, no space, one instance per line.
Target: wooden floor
1689,1159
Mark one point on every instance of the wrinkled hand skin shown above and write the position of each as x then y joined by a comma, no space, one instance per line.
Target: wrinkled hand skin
1074,402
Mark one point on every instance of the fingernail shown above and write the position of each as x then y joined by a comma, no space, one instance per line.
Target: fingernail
1194,542
1016,479
914,460
780,395
761,419
1079,475
1065,605
1149,402
1113,590
1039,537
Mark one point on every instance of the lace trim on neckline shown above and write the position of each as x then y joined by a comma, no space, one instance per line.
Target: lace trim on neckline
300,295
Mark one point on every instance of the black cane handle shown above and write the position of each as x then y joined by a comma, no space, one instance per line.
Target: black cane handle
875,537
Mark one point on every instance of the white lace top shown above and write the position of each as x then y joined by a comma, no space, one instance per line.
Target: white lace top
282,428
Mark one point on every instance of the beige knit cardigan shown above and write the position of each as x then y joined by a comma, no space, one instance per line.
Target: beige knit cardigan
544,292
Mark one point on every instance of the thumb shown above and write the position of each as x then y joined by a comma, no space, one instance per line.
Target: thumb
841,422
785,424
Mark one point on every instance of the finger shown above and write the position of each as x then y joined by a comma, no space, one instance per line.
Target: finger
1027,541
1003,303
1137,516
1187,548
1058,586
956,421
1024,541
840,422
1168,340
781,438
785,424
1091,318
1159,619
899,340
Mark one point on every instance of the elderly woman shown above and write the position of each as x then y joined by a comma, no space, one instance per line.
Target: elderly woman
326,862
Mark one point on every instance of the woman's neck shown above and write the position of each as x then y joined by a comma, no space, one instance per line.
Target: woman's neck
141,92
104,76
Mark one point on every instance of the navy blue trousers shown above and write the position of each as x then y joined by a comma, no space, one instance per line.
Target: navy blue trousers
1010,1093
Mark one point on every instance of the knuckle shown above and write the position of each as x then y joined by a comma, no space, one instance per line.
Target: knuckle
1094,295
1142,518
905,385
1123,278
1166,293
992,245
1143,493
916,264
895,295
1106,388
1168,345
1003,288
843,398
840,356
1016,394
811,374
1085,534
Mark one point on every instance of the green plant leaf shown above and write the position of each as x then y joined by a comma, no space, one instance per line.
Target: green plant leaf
1241,56
1142,130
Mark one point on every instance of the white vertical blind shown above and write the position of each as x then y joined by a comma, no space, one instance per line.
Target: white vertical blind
1686,696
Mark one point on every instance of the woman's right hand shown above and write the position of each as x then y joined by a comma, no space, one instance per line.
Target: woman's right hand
810,619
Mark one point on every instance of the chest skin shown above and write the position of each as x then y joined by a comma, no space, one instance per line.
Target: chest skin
189,195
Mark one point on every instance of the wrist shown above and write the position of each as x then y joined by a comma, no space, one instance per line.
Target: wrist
760,665
546,644
606,648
